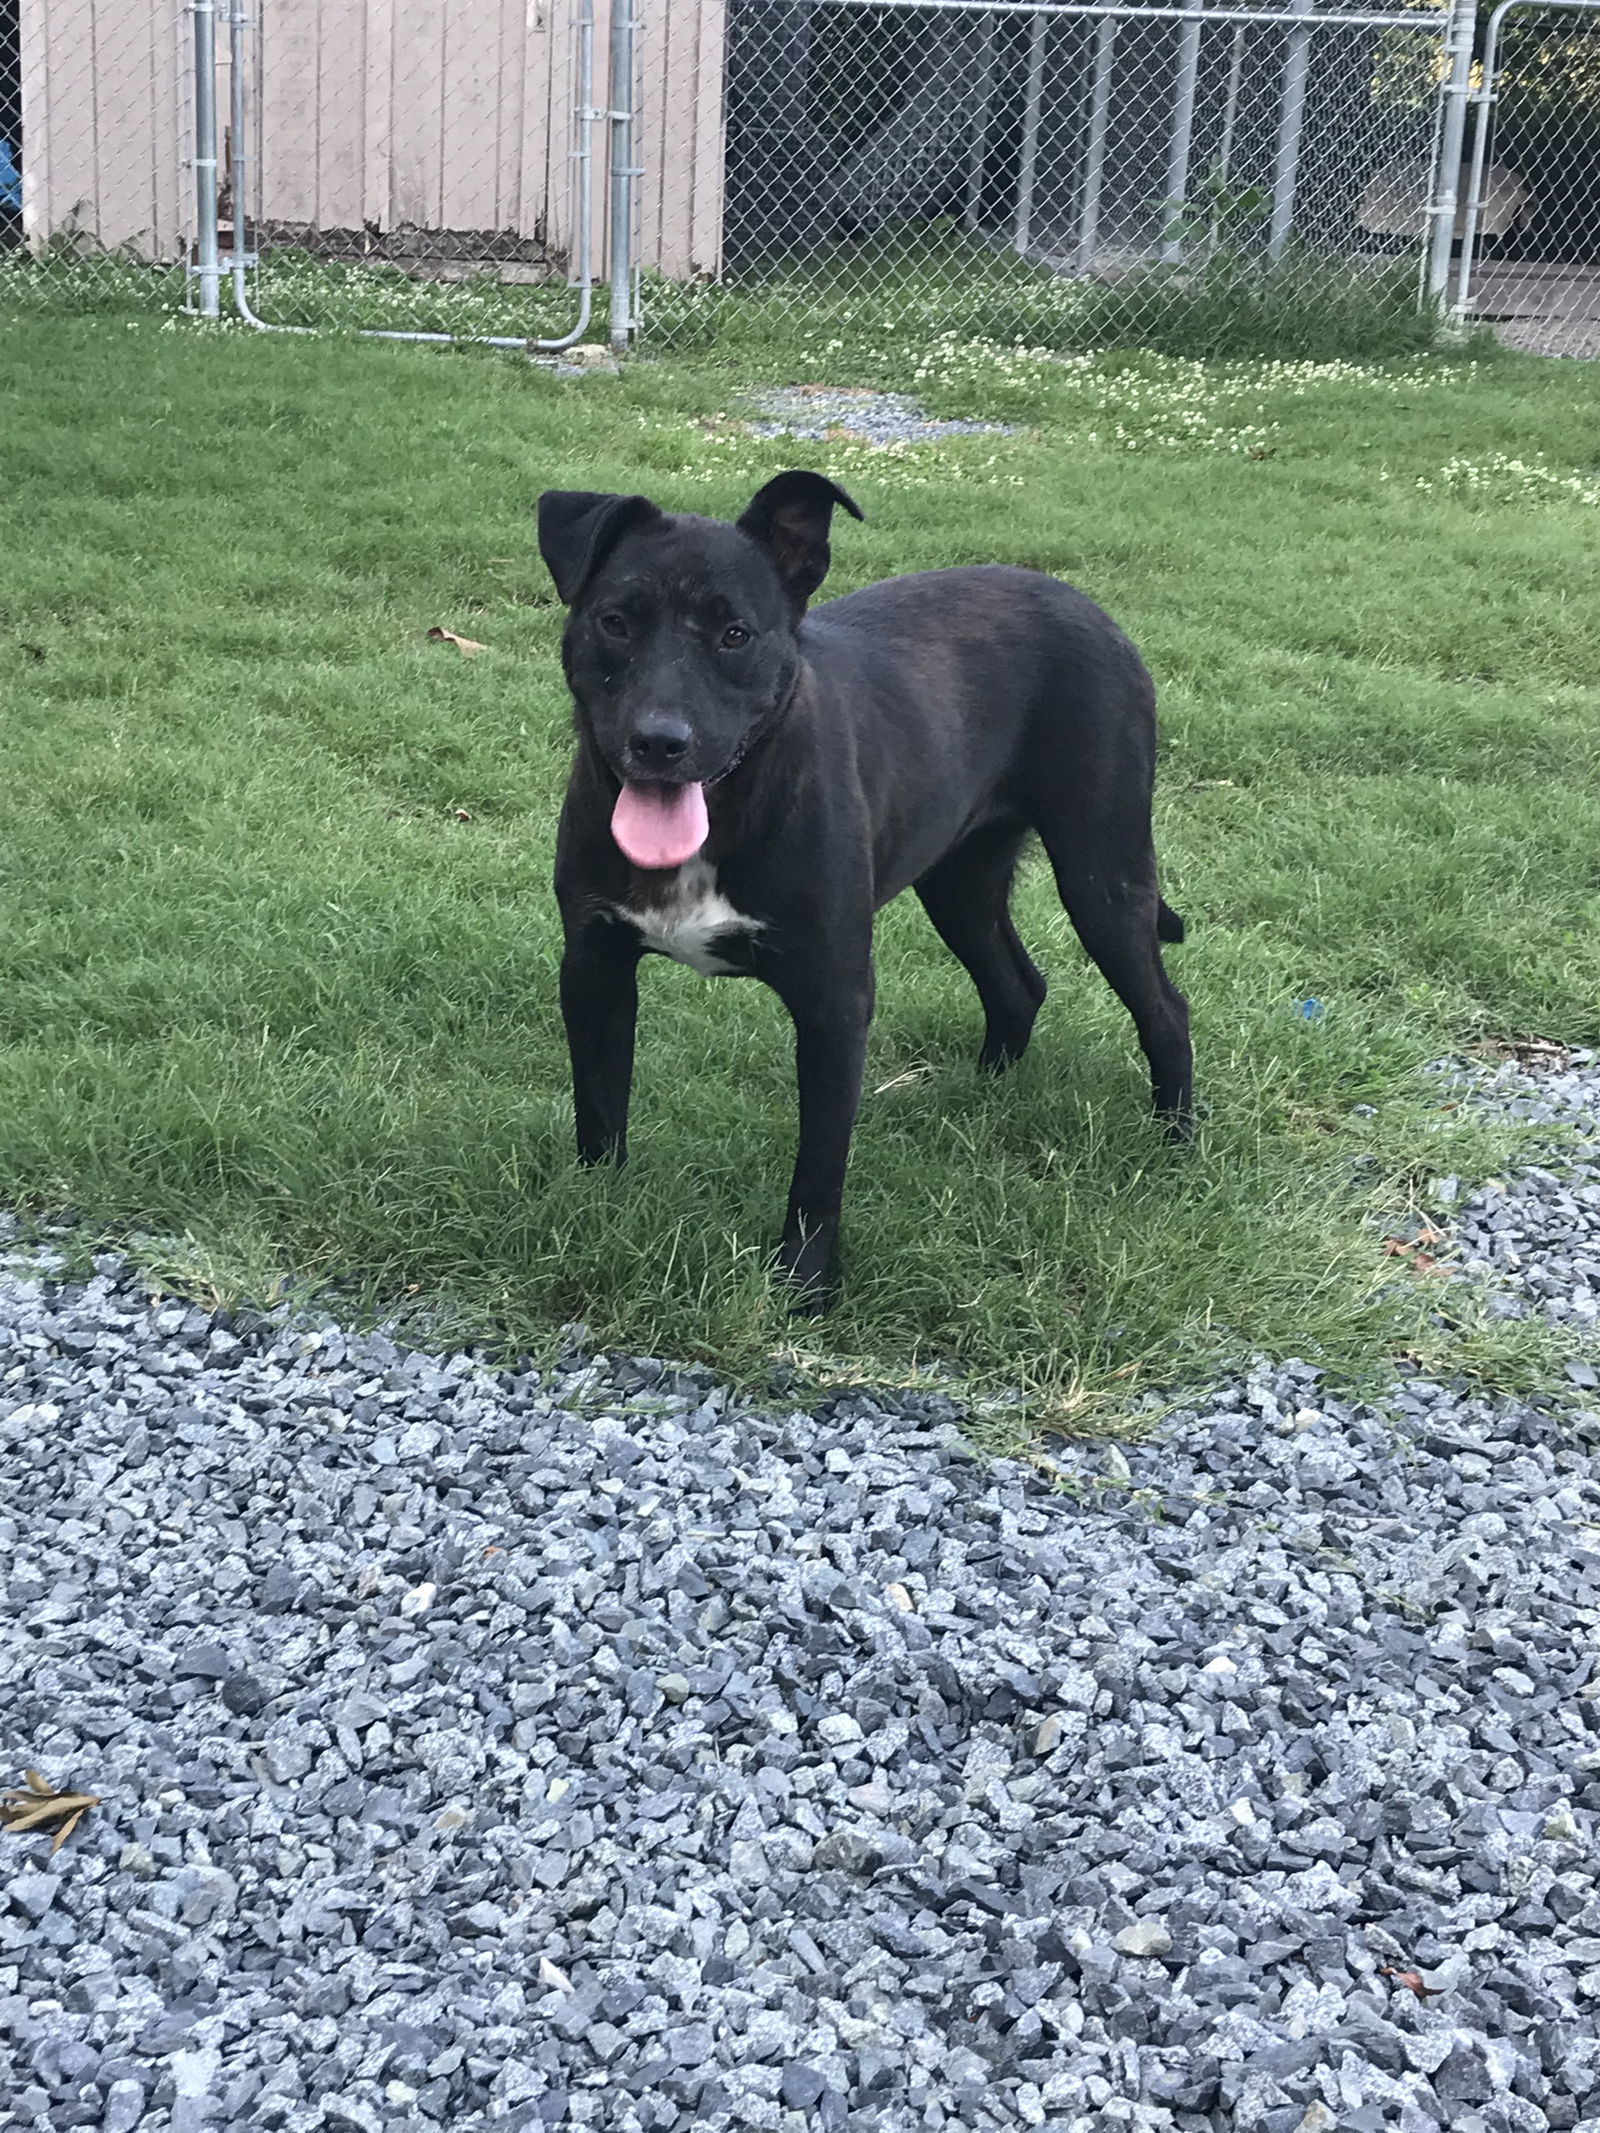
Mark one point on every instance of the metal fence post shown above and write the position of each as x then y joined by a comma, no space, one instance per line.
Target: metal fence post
1484,101
1033,100
979,147
1455,94
238,154
1094,155
1291,117
208,266
1230,109
1182,129
619,96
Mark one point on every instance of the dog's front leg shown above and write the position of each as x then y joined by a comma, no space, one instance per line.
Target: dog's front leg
599,1005
830,1030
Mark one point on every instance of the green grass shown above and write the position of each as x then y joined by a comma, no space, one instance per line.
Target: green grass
277,944
925,279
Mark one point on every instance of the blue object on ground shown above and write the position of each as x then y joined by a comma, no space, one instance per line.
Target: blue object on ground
1310,1010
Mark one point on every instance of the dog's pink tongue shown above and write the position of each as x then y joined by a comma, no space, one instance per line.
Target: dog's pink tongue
660,825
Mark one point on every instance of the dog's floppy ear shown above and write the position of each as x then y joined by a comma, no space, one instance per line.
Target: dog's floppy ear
790,518
579,527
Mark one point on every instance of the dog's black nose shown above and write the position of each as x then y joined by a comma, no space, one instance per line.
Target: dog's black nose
658,741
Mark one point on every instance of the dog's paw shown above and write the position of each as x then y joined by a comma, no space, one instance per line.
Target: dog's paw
815,1300
809,1270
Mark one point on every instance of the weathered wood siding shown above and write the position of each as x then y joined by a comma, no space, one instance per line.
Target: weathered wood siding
105,98
682,58
438,114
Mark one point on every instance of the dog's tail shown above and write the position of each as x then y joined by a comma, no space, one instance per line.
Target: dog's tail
1169,927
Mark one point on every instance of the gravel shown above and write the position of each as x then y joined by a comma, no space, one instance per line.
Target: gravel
1536,1236
593,1749
867,417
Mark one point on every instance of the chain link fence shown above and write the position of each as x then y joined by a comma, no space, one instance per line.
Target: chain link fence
1070,173
1530,257
419,167
97,204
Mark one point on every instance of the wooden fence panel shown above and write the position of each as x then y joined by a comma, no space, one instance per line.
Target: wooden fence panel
104,104
445,115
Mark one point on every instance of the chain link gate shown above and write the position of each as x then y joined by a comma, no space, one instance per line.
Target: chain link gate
430,176
431,168
1530,223
1063,169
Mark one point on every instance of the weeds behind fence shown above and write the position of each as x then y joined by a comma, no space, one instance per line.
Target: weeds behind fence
1231,304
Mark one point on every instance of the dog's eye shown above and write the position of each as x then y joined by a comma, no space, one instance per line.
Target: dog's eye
613,624
733,637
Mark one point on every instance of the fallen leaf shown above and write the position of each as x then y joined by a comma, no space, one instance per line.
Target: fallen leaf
468,647
1527,1051
1411,1981
1411,1250
40,1805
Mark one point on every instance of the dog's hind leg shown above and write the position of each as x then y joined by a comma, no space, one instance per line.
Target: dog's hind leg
1119,917
967,895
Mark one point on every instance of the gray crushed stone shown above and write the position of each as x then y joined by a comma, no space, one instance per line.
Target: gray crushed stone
867,417
1534,1239
594,1750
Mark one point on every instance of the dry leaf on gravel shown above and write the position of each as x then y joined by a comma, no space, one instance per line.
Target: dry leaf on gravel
1531,1052
1411,1980
41,1805
1414,1250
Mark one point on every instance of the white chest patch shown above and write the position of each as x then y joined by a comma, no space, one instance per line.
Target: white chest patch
689,924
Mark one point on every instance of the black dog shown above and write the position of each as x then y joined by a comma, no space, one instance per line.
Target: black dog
751,786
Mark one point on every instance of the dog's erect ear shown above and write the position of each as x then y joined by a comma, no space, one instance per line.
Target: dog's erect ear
579,527
790,518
